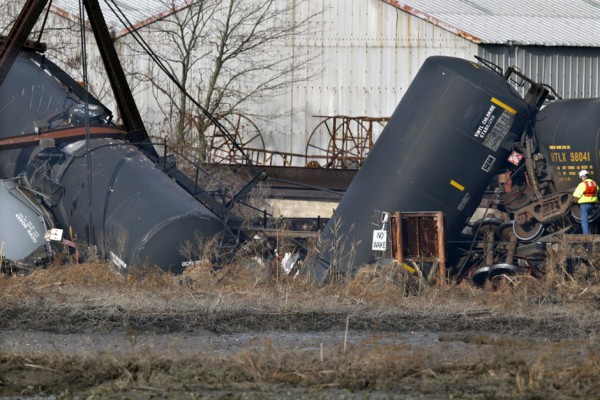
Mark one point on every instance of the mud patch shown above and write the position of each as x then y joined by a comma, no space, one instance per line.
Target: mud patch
82,332
324,364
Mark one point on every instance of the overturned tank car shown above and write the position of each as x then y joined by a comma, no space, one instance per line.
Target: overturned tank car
59,143
500,166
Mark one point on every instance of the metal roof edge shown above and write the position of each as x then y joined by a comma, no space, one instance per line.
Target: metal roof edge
63,13
567,45
429,18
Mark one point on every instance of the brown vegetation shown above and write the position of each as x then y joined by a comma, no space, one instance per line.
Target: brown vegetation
246,332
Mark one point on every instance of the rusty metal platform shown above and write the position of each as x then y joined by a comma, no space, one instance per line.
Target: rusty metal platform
300,183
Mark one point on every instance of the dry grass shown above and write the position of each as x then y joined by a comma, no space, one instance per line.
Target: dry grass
375,292
505,369
385,286
520,337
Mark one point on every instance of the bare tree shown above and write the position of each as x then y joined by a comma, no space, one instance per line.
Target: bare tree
226,55
10,10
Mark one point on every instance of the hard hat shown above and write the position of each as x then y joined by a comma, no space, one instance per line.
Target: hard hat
583,173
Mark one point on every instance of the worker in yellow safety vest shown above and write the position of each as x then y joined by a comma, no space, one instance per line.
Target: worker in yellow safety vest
586,195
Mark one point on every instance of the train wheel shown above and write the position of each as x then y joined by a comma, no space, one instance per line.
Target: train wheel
502,269
594,214
480,275
486,225
532,256
499,275
528,231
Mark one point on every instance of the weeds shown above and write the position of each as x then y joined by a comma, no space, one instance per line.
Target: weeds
523,337
510,369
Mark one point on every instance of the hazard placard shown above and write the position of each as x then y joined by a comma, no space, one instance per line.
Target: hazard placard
515,158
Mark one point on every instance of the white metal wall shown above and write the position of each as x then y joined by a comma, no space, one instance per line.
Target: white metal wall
364,55
367,52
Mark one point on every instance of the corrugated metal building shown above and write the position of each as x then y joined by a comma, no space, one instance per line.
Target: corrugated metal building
556,42
367,52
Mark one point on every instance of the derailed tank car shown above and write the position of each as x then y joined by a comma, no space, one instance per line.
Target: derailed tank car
539,183
139,215
23,228
567,133
443,145
135,213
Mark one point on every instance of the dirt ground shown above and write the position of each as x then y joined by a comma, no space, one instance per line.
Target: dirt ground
82,332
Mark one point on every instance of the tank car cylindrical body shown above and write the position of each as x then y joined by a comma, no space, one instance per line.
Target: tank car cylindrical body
139,215
568,135
440,149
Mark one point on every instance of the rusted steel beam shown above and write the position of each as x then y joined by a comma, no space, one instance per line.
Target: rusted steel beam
441,237
70,133
396,228
297,182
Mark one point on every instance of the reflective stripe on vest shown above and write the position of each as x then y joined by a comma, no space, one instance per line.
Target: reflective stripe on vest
590,188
